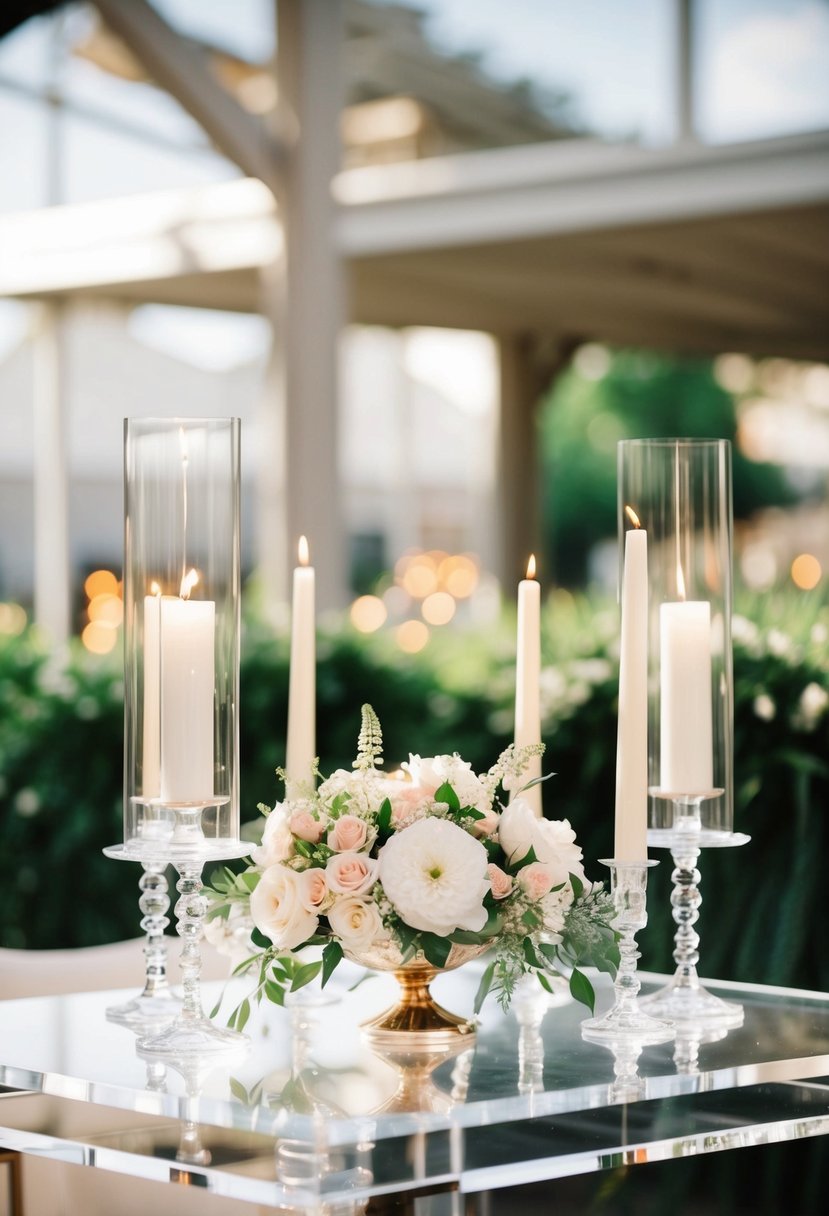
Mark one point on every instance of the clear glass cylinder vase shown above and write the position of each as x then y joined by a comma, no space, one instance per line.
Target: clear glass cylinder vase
181,636
679,492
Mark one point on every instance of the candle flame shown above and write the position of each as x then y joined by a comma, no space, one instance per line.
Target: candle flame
302,551
188,583
531,566
155,589
633,517
680,582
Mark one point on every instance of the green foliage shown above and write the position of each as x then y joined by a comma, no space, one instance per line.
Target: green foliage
641,394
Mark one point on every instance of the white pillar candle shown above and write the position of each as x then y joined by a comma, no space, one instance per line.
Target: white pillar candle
632,729
527,680
686,756
301,743
150,755
187,695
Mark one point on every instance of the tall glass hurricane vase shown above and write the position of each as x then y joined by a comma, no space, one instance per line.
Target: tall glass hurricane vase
680,491
181,656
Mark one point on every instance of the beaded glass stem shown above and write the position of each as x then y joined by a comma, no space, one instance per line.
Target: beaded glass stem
625,1020
684,999
156,1003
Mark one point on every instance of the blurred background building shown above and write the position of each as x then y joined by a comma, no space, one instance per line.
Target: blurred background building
439,258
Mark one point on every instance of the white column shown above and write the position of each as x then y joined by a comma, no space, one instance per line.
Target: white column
51,524
309,59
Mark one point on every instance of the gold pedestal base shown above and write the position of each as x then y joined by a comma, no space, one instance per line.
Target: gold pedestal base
417,1018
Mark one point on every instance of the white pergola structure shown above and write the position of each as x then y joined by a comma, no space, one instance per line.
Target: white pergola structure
690,249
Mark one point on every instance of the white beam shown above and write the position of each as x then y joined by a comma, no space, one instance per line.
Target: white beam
518,193
181,67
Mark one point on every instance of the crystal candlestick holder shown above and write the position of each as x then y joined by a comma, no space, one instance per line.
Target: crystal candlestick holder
684,999
156,1004
625,1020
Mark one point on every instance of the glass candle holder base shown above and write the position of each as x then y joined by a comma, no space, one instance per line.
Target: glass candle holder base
146,1010
190,1038
625,1020
685,1000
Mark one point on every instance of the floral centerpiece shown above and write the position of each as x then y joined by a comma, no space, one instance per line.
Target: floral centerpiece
415,865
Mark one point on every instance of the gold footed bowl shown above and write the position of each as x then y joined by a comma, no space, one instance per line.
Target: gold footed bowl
416,1019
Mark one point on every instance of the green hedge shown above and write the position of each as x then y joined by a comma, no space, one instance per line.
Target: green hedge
61,765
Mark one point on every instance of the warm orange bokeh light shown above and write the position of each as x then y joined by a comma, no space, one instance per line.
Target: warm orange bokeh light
106,610
420,576
412,636
101,582
12,619
368,613
806,571
99,638
459,576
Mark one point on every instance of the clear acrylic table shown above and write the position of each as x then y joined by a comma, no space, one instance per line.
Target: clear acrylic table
312,1120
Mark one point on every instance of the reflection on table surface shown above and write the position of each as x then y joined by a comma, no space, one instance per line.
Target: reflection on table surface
311,1110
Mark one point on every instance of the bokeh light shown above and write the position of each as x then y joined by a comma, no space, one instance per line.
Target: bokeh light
806,571
106,610
100,582
368,613
12,619
99,638
412,636
418,575
438,608
459,575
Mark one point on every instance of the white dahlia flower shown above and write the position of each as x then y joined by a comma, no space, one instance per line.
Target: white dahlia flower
435,876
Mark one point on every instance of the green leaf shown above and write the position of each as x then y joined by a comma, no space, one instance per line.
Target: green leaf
530,955
243,1014
436,948
577,885
274,992
544,982
550,951
331,956
484,987
238,1090
471,812
304,975
531,919
258,938
581,989
214,1011
445,793
304,848
384,816
526,860
465,937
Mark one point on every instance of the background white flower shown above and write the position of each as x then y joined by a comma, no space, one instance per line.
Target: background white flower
552,841
430,772
277,841
435,877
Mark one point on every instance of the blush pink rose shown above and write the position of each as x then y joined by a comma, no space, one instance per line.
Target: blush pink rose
351,873
312,888
305,826
348,834
500,882
487,825
536,880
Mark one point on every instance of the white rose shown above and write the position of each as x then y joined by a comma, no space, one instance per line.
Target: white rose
230,935
435,877
356,923
552,841
278,908
277,842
